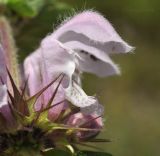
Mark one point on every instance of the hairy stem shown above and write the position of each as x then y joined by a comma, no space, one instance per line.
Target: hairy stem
8,44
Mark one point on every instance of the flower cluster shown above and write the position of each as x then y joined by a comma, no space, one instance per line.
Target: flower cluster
51,111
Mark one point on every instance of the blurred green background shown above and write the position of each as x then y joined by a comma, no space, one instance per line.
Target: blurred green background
132,107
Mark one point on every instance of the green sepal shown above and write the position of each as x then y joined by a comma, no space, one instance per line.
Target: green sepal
17,99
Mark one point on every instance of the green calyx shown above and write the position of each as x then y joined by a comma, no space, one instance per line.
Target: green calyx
32,132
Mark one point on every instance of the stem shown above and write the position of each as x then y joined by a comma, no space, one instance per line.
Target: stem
8,43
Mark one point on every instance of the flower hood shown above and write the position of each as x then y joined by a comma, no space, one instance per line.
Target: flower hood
82,43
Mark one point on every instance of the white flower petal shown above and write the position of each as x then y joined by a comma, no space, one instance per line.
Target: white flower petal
3,96
78,97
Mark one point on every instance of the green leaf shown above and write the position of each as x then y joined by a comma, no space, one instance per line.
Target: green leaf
26,8
91,153
57,152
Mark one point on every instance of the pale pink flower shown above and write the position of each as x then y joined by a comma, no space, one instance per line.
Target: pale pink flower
81,44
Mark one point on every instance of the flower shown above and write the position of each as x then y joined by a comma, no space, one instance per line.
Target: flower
81,44
39,114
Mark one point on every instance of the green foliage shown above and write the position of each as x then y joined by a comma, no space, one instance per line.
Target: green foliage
26,8
31,8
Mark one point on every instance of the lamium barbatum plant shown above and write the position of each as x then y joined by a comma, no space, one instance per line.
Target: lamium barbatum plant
48,111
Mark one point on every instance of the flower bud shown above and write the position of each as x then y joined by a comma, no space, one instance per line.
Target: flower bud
86,121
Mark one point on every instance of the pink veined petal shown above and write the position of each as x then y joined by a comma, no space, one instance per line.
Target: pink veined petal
80,118
91,29
3,73
87,121
41,71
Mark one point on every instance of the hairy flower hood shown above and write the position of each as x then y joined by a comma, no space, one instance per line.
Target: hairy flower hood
81,44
